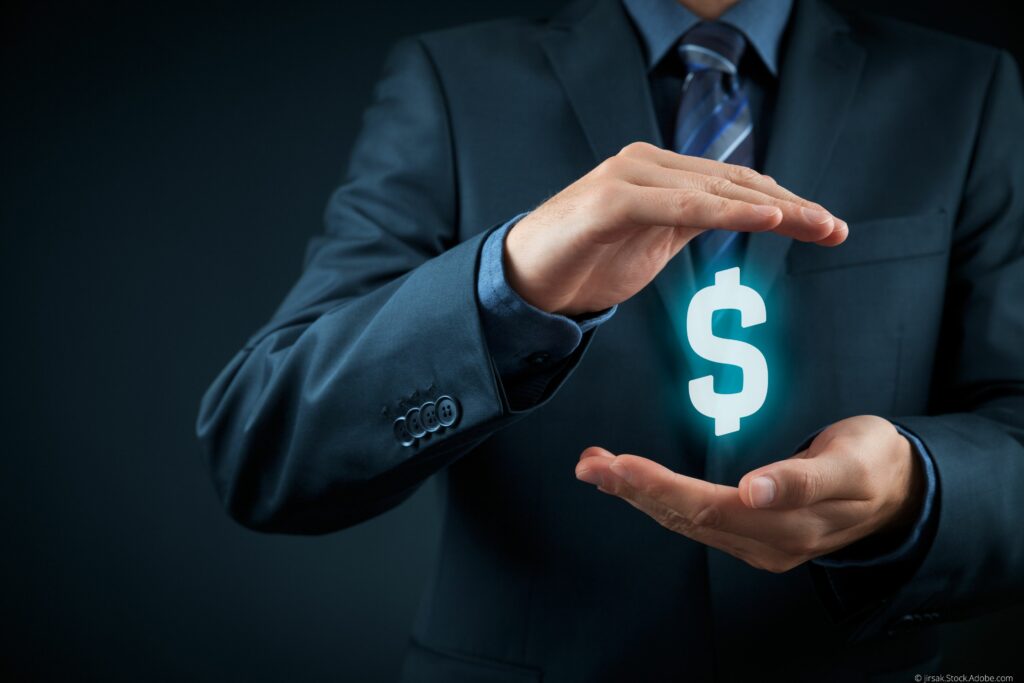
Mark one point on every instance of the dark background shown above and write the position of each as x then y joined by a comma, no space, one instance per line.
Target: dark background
163,168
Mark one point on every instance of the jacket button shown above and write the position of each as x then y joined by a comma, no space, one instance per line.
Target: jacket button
428,416
447,411
413,422
402,433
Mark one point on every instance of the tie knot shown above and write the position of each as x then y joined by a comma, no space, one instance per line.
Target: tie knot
712,45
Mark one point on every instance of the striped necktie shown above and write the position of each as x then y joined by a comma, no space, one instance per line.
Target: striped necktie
714,122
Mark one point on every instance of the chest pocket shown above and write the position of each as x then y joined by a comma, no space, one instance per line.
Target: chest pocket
875,241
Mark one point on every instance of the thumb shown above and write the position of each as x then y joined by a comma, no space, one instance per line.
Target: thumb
793,483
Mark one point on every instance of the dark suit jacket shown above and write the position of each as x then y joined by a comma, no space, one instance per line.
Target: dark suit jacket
912,136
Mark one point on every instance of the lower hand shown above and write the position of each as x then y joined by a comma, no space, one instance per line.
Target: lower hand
605,237
857,478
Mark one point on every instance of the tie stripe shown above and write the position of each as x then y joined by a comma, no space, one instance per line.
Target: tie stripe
730,136
717,127
714,122
697,57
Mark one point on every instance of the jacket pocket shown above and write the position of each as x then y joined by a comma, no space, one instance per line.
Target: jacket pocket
878,240
429,665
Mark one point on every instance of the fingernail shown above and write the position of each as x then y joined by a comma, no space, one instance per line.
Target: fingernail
621,470
816,215
765,209
589,476
762,492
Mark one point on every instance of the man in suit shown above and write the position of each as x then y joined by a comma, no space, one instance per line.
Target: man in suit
440,325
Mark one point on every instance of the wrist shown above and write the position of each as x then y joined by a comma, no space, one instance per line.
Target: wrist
909,493
520,264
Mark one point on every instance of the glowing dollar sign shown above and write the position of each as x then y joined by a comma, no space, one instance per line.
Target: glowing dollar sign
727,409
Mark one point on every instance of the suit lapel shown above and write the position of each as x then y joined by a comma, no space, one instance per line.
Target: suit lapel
599,61
821,67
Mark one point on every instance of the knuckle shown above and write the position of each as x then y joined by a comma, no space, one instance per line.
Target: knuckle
607,197
634,149
685,202
674,521
611,485
807,485
610,167
841,444
859,470
709,517
742,174
658,488
717,184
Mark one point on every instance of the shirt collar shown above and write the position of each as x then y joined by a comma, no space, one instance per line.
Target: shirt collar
663,22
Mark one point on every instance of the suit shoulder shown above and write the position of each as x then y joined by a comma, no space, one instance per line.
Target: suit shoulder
908,43
476,41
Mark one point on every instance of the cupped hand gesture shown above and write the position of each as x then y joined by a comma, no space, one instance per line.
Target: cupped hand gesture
858,477
605,237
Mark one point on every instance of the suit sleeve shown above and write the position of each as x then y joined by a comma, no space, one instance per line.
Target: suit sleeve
523,339
975,433
303,427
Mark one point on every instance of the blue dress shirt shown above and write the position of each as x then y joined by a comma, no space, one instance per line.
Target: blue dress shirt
524,340
522,337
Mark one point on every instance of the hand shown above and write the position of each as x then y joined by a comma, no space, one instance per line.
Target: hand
602,239
858,477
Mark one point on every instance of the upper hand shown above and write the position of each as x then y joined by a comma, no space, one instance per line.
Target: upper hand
602,239
858,477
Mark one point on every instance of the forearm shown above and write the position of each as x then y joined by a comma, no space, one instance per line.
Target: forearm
978,551
300,427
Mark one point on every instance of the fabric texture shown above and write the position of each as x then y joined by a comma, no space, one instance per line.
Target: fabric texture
537,573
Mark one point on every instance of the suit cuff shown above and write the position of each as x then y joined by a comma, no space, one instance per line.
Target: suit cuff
868,553
522,339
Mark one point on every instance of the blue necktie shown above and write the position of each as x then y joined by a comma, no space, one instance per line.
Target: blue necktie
714,122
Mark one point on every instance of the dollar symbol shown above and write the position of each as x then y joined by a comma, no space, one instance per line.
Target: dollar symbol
727,409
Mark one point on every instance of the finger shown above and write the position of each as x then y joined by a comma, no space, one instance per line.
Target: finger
695,209
755,552
701,528
838,236
595,451
799,221
741,175
585,470
691,505
799,482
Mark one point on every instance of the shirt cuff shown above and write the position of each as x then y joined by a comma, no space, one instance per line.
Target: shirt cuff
522,337
911,543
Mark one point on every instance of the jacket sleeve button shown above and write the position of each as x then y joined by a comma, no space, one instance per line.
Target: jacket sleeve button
447,411
428,416
413,422
402,433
